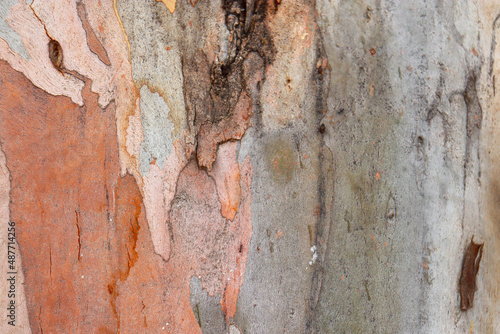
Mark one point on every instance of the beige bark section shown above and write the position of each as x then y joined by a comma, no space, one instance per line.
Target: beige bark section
39,68
159,191
226,173
21,323
64,25
489,273
287,84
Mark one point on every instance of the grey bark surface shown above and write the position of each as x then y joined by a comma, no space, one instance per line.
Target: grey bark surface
398,181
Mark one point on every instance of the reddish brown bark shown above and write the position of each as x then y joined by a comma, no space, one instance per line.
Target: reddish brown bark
78,220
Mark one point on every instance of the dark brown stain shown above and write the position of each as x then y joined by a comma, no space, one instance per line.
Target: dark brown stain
128,210
56,54
113,295
322,128
473,107
470,269
276,4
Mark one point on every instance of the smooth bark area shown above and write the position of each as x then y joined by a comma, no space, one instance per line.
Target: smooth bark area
199,166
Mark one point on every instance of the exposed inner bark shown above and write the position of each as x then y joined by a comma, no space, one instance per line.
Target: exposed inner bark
217,92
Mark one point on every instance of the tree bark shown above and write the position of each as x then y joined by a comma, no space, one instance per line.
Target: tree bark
249,166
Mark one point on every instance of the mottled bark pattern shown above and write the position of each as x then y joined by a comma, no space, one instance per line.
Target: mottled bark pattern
251,166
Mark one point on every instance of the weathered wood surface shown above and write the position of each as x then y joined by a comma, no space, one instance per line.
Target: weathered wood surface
249,166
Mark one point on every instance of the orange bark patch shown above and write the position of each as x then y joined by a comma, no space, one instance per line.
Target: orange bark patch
93,42
64,159
170,4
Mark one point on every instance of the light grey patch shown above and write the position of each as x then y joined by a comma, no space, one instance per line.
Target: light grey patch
154,34
206,309
238,147
234,330
7,33
157,143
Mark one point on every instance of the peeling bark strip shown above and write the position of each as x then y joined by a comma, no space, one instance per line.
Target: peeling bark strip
470,269
218,93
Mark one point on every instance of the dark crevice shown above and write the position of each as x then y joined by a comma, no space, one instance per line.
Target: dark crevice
50,262
227,77
324,219
40,320
493,44
433,109
474,115
77,214
56,54
197,314
55,49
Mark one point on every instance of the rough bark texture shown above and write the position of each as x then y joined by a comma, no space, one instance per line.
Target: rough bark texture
251,166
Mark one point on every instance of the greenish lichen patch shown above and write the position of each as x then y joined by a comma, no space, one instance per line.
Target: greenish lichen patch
282,160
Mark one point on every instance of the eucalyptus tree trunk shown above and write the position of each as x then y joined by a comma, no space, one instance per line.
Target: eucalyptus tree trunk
249,166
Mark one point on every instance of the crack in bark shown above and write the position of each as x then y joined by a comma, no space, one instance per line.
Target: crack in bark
473,107
40,320
323,224
493,45
77,214
474,115
55,49
50,263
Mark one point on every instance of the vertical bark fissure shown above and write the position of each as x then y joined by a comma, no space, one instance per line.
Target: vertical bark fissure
77,214
323,222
